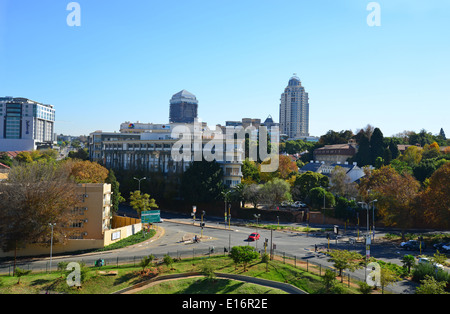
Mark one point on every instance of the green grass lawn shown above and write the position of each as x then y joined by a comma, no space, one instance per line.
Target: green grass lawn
97,283
208,286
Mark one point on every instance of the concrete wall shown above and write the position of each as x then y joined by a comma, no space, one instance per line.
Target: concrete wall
40,250
110,236
114,235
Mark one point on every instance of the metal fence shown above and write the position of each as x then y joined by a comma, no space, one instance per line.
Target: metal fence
41,266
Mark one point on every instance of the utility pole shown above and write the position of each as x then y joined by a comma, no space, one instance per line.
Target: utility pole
51,245
271,244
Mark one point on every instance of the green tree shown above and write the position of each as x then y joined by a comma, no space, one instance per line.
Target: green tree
329,280
202,182
5,159
408,262
387,156
145,261
317,196
275,191
431,151
343,259
333,137
81,154
19,273
243,254
252,194
422,138
401,167
250,171
307,181
363,156
387,277
376,145
168,261
442,134
393,147
142,202
116,197
429,285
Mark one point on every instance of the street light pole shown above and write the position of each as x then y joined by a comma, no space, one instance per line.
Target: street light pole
51,245
203,213
144,178
373,218
367,207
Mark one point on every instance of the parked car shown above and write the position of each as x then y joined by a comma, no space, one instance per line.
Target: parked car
285,204
442,247
299,204
254,236
424,260
412,245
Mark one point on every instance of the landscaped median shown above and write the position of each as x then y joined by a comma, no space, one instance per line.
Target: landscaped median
273,275
283,287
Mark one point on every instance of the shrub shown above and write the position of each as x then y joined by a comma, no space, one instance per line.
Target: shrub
421,271
365,288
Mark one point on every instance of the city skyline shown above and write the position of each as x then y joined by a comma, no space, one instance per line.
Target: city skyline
123,63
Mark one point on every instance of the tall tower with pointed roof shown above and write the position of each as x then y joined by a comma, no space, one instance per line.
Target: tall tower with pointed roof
294,110
183,107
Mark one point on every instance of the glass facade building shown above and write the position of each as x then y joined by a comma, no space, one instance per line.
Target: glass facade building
25,124
183,108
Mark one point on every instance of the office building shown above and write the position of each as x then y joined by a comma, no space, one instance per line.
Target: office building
183,108
294,110
152,152
25,124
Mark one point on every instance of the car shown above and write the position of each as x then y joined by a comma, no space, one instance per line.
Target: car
299,204
412,245
424,260
442,247
285,204
254,237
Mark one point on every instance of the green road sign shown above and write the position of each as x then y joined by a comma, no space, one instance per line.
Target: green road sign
151,216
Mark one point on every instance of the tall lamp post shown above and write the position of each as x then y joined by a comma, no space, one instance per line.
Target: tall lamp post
202,224
373,218
51,245
144,178
367,207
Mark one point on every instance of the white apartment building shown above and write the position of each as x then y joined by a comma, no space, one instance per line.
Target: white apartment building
25,124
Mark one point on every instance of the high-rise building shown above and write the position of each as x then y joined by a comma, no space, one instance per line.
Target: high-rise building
183,108
25,124
294,110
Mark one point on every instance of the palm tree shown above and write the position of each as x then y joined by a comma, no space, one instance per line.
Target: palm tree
408,261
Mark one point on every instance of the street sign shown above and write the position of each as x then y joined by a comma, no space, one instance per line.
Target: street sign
151,216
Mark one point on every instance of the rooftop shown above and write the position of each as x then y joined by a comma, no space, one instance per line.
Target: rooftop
184,95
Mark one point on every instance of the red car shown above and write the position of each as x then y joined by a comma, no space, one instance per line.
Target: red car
253,237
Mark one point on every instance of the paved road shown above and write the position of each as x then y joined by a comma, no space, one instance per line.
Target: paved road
216,234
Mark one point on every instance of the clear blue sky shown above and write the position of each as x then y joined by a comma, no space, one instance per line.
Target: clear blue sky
129,57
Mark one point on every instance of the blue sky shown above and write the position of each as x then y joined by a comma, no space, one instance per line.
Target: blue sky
128,58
